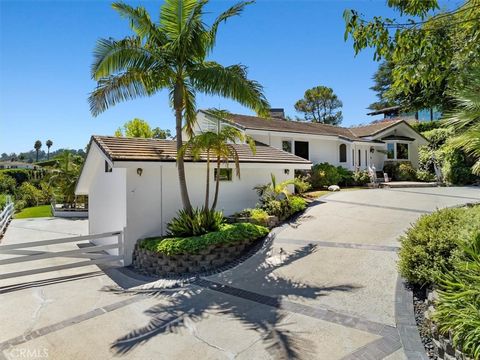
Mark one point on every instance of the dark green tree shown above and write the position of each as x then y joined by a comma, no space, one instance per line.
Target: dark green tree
382,84
432,50
320,104
171,54
37,146
158,133
49,144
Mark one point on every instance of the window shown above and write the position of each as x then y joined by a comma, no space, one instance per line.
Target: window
359,157
301,149
343,153
397,151
402,151
366,158
353,157
225,174
287,146
108,168
390,151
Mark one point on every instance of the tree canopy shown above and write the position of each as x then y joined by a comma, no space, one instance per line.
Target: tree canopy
432,50
382,84
320,104
171,53
137,128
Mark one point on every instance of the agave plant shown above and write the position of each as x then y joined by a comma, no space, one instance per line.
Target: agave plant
458,307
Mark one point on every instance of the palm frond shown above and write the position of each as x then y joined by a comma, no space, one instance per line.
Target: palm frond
190,108
231,82
235,10
140,22
111,56
114,89
174,15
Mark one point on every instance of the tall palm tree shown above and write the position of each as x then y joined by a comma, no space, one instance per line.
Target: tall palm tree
37,146
65,175
49,144
465,120
219,145
170,54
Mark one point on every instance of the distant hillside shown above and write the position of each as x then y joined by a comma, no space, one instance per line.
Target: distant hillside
31,155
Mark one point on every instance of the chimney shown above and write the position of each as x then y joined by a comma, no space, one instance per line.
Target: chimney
277,113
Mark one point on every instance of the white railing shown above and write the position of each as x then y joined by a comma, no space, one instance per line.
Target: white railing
6,215
95,253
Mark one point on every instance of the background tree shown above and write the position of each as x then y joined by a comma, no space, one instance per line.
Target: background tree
443,48
65,175
136,128
320,104
158,133
382,84
37,146
171,54
49,144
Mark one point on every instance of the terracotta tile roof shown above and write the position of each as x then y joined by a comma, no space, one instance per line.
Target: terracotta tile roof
137,149
271,124
372,129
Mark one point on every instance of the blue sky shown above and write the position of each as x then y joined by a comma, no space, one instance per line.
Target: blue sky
46,51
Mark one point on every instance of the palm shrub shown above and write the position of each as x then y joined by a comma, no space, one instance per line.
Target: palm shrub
458,306
196,222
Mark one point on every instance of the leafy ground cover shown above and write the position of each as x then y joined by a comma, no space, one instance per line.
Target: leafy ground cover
227,234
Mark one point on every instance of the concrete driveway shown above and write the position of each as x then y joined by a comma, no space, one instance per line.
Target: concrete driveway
324,287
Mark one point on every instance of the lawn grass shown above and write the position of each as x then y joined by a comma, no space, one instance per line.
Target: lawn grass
34,212
317,193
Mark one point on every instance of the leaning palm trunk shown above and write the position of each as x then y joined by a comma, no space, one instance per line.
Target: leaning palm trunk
207,189
217,184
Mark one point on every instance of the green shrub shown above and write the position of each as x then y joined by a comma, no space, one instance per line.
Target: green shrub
301,185
406,172
227,234
296,204
424,175
7,184
278,208
422,126
324,175
456,167
29,193
437,137
259,216
20,205
3,201
458,305
361,178
197,222
430,245
346,176
20,175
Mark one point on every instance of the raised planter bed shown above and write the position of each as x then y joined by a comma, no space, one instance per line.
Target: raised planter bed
156,263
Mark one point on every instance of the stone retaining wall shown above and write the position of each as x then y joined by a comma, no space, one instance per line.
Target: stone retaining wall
154,263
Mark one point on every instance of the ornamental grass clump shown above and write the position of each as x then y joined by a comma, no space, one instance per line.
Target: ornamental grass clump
195,222
458,306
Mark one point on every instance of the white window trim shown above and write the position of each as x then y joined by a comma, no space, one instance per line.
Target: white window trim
395,142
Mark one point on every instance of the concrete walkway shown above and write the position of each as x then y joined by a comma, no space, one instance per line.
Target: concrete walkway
324,287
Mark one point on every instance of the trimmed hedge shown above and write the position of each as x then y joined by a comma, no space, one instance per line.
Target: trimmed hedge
430,246
228,234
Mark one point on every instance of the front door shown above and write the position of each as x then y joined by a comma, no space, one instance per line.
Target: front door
301,149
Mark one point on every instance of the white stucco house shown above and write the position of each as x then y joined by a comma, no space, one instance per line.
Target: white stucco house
132,183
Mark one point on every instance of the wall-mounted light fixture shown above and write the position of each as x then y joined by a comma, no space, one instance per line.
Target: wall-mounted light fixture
139,171
286,171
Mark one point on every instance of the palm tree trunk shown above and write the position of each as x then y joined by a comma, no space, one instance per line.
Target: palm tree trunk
217,185
37,155
48,154
207,190
180,162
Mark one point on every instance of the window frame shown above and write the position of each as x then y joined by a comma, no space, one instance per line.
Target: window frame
395,157
291,145
229,176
